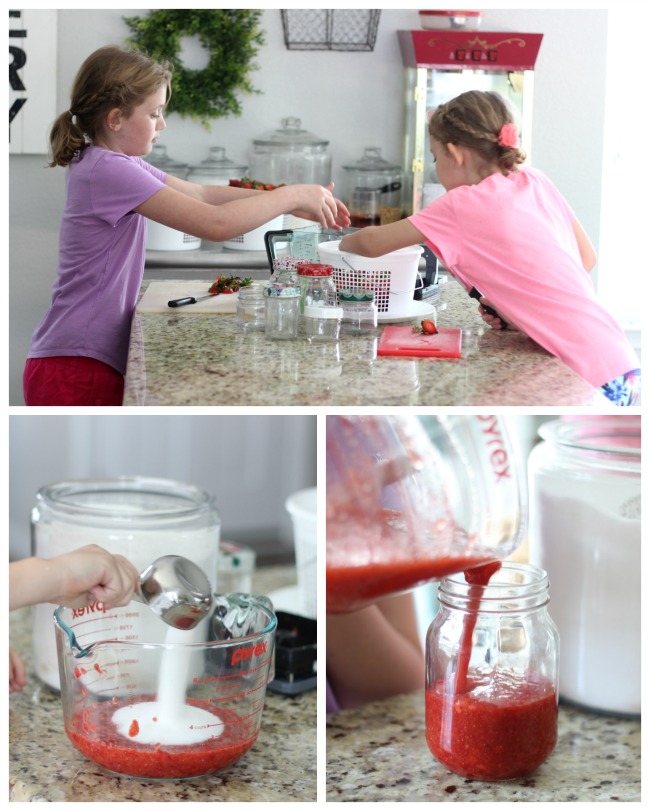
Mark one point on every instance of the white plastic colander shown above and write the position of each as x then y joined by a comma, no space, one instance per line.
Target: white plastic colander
393,276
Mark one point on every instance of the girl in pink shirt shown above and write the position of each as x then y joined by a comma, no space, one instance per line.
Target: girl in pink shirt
79,350
505,230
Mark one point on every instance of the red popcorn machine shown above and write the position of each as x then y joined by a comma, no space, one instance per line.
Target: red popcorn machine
440,65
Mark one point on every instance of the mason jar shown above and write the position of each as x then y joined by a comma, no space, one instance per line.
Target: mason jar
137,517
585,531
251,311
282,311
492,673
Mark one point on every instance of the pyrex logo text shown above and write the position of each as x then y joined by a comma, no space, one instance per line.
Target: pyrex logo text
497,450
242,654
94,608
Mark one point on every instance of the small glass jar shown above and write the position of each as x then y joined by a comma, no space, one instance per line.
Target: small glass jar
316,285
585,527
251,308
359,311
492,673
282,311
322,323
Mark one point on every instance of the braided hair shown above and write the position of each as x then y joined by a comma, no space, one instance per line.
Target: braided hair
476,120
110,77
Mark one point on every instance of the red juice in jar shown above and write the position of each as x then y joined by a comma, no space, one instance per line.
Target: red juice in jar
491,705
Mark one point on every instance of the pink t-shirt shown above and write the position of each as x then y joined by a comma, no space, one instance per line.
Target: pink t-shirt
511,237
102,245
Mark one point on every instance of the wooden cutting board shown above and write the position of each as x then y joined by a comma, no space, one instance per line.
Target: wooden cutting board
155,297
404,341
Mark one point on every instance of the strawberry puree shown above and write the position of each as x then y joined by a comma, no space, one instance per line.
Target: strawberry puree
498,732
351,587
96,737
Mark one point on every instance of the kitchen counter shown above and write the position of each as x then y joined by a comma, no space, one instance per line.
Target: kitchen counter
177,359
45,767
379,753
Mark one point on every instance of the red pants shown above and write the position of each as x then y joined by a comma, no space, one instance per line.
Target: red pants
74,381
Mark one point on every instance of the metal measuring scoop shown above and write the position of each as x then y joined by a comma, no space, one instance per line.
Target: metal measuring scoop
175,589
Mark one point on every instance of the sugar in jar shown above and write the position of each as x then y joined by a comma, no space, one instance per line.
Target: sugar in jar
492,673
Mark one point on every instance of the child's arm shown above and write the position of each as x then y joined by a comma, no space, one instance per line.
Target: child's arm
228,215
376,240
587,252
75,579
374,653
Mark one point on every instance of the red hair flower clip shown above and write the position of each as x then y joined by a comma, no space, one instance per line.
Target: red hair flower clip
508,135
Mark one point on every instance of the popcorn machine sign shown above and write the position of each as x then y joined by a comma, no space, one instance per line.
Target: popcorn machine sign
32,79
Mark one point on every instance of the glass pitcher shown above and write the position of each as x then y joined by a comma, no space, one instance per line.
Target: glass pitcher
412,499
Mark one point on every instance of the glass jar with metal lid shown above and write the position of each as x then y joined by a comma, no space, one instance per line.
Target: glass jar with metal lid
316,285
359,311
373,174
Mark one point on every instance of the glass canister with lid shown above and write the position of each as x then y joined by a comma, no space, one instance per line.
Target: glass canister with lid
359,311
291,154
585,531
216,169
375,179
138,517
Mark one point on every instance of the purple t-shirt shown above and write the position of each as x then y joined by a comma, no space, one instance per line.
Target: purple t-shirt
102,245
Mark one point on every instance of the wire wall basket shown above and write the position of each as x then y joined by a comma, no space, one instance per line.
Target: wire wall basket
330,29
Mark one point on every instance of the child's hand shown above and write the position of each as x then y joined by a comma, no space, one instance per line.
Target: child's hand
491,320
319,204
17,677
91,573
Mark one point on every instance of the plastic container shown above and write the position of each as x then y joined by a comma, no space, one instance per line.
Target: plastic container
291,154
302,507
451,20
585,530
359,311
236,568
282,311
216,169
316,285
163,703
492,674
161,237
411,499
251,308
138,517
393,277
322,323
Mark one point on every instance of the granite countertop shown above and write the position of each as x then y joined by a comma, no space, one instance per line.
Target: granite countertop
177,359
378,752
45,767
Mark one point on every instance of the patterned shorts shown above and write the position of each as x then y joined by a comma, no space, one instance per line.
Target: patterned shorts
624,390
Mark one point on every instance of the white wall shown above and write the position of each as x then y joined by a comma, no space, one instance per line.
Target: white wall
250,464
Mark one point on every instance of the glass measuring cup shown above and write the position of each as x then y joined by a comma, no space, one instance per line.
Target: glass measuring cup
173,707
412,499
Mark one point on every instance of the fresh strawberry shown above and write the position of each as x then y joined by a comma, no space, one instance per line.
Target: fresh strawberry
429,328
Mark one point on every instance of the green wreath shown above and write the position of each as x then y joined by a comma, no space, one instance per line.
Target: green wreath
232,36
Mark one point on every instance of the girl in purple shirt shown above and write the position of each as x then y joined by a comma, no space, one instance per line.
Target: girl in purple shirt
79,350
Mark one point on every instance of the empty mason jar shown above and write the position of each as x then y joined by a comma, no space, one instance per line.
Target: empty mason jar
282,310
251,309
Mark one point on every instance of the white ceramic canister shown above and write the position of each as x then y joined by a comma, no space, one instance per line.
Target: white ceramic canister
585,531
139,518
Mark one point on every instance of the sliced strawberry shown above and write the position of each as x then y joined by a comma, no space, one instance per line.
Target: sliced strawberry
429,328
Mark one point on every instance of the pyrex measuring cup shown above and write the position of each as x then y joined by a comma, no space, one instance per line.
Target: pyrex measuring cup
173,707
415,498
